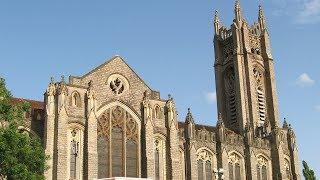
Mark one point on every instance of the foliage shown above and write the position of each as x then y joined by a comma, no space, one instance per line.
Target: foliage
21,156
307,172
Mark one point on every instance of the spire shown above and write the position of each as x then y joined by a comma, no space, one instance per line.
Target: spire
189,118
220,120
238,11
285,124
216,22
261,18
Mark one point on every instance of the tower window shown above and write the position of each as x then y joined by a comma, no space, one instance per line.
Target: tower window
75,99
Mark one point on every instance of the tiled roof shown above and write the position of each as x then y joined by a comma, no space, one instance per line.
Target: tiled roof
34,104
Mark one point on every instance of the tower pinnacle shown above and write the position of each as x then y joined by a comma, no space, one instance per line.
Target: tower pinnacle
261,18
238,11
216,22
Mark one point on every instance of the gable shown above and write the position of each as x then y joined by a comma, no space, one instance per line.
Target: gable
114,80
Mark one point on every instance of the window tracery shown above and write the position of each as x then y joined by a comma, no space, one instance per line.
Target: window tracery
205,165
118,84
261,100
287,169
74,162
235,167
118,144
262,168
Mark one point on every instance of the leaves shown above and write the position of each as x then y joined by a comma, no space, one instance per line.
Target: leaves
21,156
307,172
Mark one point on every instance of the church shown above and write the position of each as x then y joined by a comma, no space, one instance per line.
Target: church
109,123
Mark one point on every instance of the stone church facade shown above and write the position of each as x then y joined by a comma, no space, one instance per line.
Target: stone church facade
110,123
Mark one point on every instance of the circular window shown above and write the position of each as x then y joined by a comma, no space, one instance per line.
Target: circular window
118,84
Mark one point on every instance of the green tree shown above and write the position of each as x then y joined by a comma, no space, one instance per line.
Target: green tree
307,172
22,156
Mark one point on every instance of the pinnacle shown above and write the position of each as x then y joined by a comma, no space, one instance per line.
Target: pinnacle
189,118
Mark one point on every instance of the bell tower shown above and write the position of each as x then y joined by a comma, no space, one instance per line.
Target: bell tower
244,72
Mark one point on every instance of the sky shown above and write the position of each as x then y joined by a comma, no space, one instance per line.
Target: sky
169,44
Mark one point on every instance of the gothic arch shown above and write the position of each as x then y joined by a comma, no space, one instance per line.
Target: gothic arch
236,165
206,163
264,160
160,158
119,141
75,99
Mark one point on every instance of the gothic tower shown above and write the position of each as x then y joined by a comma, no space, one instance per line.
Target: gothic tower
246,94
244,70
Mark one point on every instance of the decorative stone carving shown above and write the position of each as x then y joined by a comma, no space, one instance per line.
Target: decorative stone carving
51,91
118,84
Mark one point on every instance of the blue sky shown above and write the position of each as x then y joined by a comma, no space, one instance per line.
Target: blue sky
169,44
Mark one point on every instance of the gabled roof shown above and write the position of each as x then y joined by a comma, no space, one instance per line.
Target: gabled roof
109,61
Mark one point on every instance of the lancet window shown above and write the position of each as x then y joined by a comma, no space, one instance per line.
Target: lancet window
235,167
160,158
205,165
118,144
262,168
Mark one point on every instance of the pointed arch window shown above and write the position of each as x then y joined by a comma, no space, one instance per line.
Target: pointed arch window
160,158
235,166
260,94
287,168
118,144
262,168
205,165
75,99
75,154
231,95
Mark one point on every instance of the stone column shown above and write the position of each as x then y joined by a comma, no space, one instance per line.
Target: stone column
91,136
49,127
173,141
62,133
149,140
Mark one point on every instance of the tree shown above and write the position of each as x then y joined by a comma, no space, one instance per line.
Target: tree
22,156
307,172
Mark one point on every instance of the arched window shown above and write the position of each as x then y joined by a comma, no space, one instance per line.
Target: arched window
205,165
75,99
118,144
75,154
287,169
260,94
235,167
160,158
230,95
157,112
262,168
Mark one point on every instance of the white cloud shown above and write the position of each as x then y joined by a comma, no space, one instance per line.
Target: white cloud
310,12
211,97
304,80
317,108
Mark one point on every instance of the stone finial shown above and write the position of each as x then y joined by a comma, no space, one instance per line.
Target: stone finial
216,22
285,124
261,18
189,117
62,79
216,16
52,80
238,11
220,120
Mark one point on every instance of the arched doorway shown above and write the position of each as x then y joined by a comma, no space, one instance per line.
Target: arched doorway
118,142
